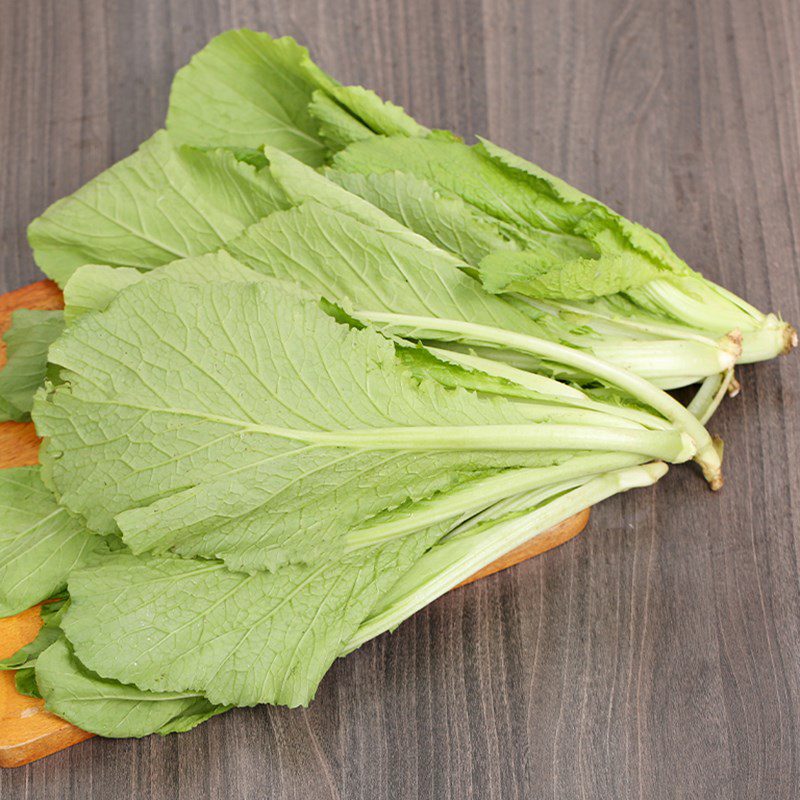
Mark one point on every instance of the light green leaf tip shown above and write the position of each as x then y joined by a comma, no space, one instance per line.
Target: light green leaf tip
162,203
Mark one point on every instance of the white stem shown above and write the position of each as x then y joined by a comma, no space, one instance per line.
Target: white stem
455,559
707,455
478,494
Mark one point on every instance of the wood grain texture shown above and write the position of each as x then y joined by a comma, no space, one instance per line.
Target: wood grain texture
27,731
656,656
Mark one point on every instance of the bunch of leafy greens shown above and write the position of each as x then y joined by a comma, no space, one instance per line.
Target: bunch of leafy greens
260,475
590,278
319,364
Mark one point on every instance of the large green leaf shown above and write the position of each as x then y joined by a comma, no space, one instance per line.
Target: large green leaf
159,204
335,255
246,89
541,222
445,220
609,231
172,624
40,542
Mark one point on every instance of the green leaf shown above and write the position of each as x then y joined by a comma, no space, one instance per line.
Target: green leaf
335,255
540,222
531,207
447,221
246,89
40,542
54,608
25,682
92,287
109,708
380,116
578,279
284,429
49,632
610,231
27,341
424,364
159,204
337,126
300,183
171,624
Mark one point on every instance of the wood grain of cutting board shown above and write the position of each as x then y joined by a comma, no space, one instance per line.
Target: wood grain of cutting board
27,731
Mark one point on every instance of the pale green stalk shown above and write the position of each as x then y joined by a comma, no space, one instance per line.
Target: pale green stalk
710,395
711,307
566,395
607,322
479,494
639,388
457,558
672,446
666,360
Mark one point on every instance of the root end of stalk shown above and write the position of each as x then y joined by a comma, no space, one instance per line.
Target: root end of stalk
734,388
790,340
712,472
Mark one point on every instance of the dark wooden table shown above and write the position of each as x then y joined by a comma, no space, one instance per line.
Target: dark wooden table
657,655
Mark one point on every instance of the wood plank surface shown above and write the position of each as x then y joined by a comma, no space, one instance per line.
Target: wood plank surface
656,656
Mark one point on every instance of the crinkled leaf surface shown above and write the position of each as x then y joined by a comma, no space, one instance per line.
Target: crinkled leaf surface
337,256
159,204
27,342
579,279
610,231
445,220
40,542
172,624
553,220
542,223
204,422
110,708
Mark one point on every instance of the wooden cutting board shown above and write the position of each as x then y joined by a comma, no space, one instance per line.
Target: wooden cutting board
27,731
